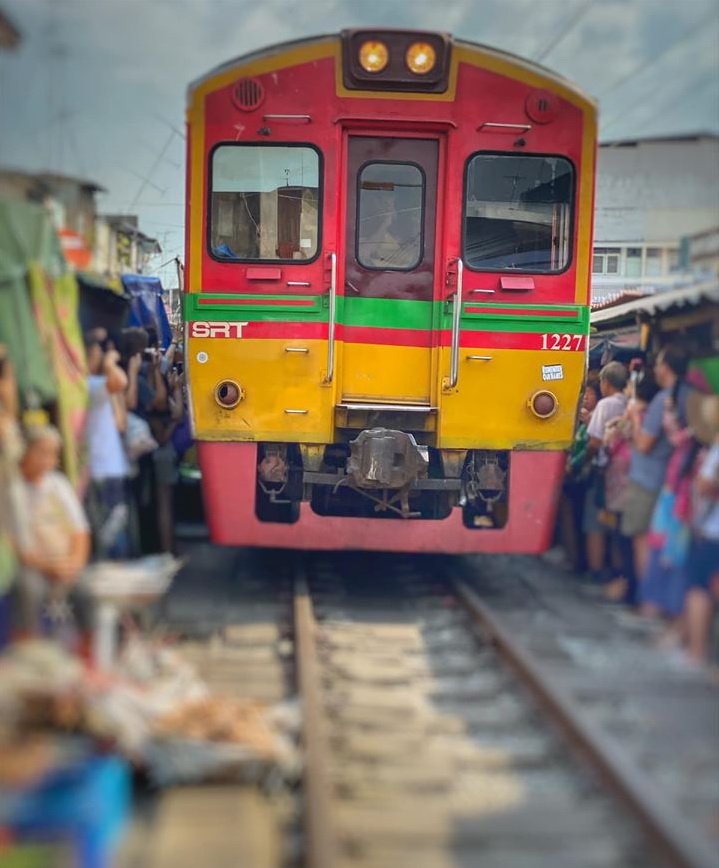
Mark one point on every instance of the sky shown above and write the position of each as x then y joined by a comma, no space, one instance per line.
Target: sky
97,87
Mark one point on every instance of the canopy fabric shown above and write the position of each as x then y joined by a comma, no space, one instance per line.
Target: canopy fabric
611,351
40,326
56,304
709,366
102,304
687,296
147,308
26,235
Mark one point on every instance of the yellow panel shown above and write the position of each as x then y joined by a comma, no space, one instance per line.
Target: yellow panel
273,380
386,373
489,407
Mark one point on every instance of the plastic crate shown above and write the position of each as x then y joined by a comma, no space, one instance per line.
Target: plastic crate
85,805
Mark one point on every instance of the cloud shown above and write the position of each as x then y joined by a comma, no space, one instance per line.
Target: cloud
87,91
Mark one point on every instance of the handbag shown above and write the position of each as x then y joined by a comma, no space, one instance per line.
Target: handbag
138,437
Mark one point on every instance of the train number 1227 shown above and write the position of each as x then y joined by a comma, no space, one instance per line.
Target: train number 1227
562,342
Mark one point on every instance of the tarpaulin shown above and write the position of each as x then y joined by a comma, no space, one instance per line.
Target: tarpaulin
102,304
39,323
56,304
26,235
147,309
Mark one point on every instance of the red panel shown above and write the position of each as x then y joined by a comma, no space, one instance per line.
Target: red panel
528,311
516,284
265,302
229,488
264,273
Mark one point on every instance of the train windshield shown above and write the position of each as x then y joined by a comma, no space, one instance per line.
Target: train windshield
518,213
389,216
265,202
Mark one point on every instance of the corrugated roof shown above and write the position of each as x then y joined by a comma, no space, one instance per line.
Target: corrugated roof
687,296
618,298
680,137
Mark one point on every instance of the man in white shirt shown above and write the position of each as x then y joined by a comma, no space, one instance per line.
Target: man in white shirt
108,499
612,381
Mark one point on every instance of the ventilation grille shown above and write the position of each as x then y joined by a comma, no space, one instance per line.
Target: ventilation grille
249,94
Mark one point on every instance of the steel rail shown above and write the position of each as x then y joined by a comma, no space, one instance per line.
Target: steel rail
666,829
321,846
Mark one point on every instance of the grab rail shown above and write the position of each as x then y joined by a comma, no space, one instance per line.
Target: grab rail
456,317
332,319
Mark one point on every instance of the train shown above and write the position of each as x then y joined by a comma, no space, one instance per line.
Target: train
387,285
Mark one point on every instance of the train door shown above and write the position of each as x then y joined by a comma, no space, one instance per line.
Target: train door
387,309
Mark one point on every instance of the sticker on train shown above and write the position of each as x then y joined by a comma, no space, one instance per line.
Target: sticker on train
217,329
552,372
563,342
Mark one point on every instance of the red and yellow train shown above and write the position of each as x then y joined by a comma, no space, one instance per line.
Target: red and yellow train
388,251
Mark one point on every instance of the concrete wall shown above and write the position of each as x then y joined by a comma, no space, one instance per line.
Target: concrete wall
657,191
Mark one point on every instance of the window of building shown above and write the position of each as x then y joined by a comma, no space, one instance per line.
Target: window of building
633,262
389,216
518,213
265,202
653,266
605,260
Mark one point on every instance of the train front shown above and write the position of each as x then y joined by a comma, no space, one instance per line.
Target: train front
388,251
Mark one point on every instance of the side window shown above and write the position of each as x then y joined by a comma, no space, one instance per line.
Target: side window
605,260
518,213
390,216
264,203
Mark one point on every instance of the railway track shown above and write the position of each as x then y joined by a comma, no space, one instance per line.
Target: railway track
432,739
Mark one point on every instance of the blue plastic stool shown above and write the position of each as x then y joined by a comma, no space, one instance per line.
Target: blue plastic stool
86,805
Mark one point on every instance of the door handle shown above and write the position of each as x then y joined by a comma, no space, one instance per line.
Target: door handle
332,319
451,382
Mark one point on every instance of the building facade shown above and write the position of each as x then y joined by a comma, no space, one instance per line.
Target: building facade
653,195
108,245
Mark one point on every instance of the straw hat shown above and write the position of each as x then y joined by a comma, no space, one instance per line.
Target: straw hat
703,416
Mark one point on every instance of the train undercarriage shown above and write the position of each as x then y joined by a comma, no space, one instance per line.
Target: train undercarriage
384,474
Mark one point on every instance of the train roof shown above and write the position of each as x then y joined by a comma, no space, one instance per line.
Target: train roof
520,63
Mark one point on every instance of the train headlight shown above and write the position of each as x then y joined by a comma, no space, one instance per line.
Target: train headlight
420,58
228,394
543,404
373,55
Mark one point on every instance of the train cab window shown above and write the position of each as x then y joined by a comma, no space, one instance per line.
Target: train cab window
389,216
518,212
265,203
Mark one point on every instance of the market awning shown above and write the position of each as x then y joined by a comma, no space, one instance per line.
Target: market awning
26,236
688,296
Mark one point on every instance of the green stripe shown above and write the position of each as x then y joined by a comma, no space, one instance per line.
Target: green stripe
386,313
272,311
390,313
576,321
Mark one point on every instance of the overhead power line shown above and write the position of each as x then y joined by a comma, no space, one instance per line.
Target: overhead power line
571,24
147,181
169,124
694,85
641,67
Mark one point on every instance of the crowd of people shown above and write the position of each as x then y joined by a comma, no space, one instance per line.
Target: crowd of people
136,432
643,486
641,491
